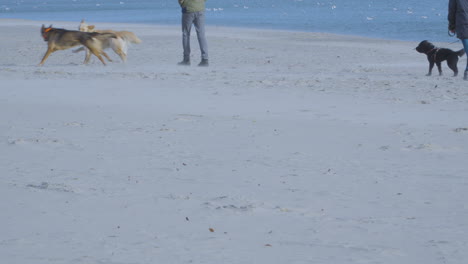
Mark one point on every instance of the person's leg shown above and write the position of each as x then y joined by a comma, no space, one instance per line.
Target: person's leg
465,46
187,21
199,23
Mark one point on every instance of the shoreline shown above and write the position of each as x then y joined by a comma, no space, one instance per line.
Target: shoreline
122,24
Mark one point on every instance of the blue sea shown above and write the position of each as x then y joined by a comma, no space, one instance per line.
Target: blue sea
412,20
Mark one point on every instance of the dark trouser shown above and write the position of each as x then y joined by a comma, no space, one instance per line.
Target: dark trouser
197,19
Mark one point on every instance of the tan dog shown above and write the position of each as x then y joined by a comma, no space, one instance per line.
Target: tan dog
62,39
119,45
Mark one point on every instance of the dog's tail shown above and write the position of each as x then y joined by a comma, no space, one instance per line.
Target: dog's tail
461,52
103,36
129,37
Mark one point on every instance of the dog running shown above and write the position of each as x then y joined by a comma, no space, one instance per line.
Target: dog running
437,55
62,39
119,44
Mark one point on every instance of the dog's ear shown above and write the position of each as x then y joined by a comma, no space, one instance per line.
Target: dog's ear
50,26
43,26
91,27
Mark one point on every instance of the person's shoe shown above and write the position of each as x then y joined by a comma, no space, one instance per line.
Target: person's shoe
185,62
204,63
465,76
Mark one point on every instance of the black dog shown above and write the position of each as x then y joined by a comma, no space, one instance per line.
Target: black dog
438,55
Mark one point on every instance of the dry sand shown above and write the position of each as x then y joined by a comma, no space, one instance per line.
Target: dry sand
290,148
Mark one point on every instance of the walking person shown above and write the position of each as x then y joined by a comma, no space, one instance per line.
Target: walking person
193,12
458,23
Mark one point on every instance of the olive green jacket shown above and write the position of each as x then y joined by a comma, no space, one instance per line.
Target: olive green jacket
192,5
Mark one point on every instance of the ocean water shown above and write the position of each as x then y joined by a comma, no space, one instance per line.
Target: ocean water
412,20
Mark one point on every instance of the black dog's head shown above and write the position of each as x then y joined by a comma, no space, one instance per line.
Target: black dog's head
424,47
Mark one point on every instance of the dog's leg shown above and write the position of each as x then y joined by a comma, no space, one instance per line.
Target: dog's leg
439,67
98,55
88,56
95,47
101,59
46,55
452,64
122,54
431,65
107,56
119,47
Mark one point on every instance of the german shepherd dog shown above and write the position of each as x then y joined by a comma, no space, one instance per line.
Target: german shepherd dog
438,55
119,45
62,39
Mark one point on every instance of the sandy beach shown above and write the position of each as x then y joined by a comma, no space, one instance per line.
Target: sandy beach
291,147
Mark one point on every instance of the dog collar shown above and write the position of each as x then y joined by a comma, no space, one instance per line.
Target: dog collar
436,49
47,30
435,54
